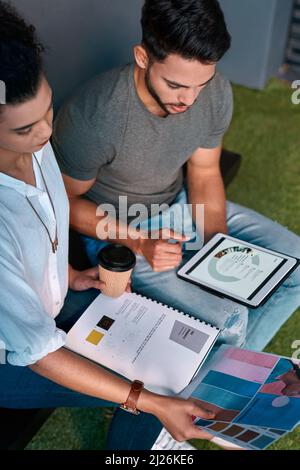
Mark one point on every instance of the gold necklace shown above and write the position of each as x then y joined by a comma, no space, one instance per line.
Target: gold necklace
54,242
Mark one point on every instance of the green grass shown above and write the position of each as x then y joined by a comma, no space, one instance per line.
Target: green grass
73,429
266,131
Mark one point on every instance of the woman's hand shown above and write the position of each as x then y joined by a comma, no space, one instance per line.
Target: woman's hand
88,279
84,280
176,415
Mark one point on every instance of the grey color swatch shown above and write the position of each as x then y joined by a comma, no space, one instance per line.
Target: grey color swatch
188,336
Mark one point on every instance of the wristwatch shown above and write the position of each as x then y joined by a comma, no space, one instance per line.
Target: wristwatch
130,404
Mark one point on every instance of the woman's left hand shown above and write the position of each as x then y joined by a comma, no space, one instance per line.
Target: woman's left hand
88,279
84,280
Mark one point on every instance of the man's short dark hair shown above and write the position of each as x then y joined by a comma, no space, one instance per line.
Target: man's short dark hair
20,56
193,29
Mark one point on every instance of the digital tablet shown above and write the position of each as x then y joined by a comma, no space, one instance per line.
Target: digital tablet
240,271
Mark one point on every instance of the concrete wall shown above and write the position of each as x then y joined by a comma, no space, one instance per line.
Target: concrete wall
259,30
85,37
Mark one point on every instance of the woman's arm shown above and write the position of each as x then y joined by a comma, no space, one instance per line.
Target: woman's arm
79,374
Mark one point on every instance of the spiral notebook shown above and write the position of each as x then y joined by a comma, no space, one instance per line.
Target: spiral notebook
142,339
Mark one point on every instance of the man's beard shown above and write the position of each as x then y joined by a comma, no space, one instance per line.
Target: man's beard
153,93
156,97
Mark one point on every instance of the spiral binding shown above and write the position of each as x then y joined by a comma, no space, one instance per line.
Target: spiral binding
178,311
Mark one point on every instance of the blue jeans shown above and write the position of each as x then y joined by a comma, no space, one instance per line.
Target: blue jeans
21,388
250,328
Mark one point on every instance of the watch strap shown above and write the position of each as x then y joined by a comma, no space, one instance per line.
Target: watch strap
130,404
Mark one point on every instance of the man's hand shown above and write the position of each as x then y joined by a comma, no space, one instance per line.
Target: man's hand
160,253
292,383
88,279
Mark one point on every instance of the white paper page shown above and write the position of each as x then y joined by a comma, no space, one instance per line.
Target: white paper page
141,339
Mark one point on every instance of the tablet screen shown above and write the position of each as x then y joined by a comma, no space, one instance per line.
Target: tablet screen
236,268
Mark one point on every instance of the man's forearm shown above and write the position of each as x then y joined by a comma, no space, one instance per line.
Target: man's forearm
210,192
84,219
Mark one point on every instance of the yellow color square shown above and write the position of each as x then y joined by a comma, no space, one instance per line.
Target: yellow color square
95,337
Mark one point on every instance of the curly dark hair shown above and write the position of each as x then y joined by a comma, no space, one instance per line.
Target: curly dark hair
193,29
21,63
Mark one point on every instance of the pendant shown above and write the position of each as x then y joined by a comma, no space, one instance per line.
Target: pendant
55,246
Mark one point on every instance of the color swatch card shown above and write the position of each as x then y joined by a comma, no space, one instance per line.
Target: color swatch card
142,339
255,396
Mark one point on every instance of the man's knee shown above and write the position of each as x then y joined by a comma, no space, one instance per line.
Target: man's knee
235,325
292,248
293,280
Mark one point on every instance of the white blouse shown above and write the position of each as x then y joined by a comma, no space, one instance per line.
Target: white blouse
33,280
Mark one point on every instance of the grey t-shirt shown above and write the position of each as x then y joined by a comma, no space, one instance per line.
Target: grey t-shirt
105,132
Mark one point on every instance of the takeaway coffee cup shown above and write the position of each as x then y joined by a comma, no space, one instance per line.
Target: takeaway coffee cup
116,263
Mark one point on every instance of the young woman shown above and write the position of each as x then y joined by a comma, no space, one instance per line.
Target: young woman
34,271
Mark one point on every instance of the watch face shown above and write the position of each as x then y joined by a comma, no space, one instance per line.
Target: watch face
130,410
